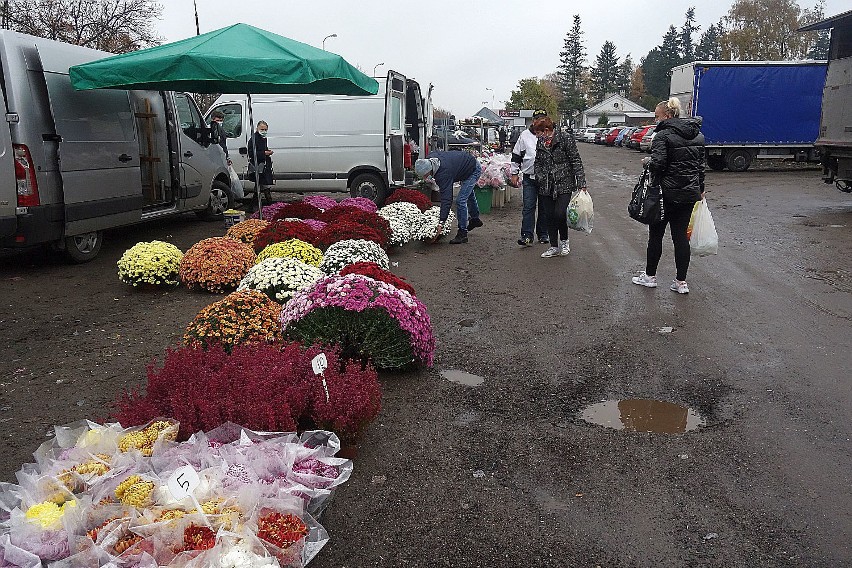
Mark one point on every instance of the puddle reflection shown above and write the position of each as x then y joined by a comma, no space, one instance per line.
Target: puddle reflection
643,415
462,377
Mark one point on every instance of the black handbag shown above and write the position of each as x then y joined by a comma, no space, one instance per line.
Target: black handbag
646,203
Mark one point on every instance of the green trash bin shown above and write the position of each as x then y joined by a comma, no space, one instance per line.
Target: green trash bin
484,195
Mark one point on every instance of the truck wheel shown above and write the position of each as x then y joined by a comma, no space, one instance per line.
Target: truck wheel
83,248
738,160
370,186
716,163
221,199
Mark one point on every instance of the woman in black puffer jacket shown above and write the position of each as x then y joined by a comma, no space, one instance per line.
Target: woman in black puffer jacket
677,165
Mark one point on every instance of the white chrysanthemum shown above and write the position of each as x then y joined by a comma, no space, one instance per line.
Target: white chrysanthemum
280,277
428,224
343,253
403,218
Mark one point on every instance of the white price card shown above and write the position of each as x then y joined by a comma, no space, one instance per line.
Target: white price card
183,482
320,363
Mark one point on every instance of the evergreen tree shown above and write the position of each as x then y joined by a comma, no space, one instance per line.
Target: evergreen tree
821,40
709,47
572,64
656,75
625,73
605,72
687,46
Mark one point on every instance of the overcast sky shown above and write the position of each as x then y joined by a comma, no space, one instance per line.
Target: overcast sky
462,47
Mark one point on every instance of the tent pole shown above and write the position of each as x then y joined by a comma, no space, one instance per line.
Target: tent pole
253,159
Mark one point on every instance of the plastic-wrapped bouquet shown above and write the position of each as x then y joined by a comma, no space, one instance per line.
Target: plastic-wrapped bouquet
359,202
216,264
409,196
155,263
280,277
370,319
343,253
403,218
293,248
494,174
248,316
280,231
247,231
428,224
376,272
321,201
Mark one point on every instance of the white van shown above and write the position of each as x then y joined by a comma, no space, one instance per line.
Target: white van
359,144
74,163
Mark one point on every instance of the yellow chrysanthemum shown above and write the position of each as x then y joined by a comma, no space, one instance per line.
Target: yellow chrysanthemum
48,514
294,248
155,263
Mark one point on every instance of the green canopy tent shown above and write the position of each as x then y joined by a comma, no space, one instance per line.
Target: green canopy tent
236,59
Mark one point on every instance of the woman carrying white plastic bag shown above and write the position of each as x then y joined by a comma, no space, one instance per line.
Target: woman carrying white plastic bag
703,239
581,212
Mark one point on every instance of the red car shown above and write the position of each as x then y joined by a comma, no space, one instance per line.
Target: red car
613,134
636,137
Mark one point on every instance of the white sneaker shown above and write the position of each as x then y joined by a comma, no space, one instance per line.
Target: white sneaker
679,286
564,249
645,280
552,251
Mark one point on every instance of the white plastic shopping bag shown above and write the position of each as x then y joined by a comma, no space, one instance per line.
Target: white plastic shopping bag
581,213
236,184
703,240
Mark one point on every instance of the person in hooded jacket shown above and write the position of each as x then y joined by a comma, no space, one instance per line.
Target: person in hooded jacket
676,163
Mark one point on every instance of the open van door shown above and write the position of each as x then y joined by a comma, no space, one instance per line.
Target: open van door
8,184
98,152
395,128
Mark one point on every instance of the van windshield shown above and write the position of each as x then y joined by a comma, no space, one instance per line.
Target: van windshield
233,122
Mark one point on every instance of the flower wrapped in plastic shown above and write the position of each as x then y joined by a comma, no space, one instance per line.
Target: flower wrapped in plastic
293,248
43,528
360,203
321,201
376,272
343,229
280,277
281,231
154,263
143,438
216,264
248,316
247,231
290,535
370,319
403,218
409,196
343,253
494,175
297,210
427,225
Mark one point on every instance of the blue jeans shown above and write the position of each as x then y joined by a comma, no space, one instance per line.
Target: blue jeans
528,218
466,201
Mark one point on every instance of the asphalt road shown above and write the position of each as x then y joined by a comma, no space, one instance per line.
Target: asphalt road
506,473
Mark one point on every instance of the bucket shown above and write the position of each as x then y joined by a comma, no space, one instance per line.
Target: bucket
233,216
484,195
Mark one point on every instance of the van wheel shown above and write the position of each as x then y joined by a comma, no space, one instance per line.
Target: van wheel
83,248
221,199
370,186
716,163
738,160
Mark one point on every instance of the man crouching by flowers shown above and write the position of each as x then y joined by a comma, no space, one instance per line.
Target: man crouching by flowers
444,169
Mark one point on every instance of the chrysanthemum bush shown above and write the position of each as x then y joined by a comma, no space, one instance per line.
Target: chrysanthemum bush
409,196
427,225
360,203
322,201
372,220
297,210
344,229
403,218
344,253
261,387
335,213
269,211
216,264
154,263
247,316
293,248
280,231
371,320
376,272
247,231
314,224
280,277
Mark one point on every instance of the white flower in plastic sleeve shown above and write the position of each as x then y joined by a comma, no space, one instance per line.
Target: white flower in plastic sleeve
280,277
343,253
403,218
428,224
241,556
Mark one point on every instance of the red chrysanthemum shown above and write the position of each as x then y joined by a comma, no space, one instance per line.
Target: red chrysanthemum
280,231
297,210
410,196
376,272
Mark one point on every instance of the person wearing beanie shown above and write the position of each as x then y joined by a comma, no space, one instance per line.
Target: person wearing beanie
523,158
447,168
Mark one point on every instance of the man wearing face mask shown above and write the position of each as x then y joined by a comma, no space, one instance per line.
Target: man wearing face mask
258,150
447,168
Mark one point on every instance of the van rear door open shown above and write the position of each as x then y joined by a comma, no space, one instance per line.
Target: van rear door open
395,127
8,185
98,152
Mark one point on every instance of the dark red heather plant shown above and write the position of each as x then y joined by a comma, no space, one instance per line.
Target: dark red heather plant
335,213
297,210
410,196
372,220
261,387
280,231
376,272
343,229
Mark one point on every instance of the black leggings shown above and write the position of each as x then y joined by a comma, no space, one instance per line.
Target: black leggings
677,215
556,211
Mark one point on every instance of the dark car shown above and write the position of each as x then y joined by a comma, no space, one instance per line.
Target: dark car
636,137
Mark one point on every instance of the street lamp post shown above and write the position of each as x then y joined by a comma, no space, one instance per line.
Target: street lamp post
492,95
325,38
376,66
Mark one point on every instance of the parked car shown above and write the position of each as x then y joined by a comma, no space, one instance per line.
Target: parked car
589,135
636,137
612,134
579,133
600,136
624,136
645,143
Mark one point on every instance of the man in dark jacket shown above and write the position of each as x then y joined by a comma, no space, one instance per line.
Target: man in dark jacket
447,168
217,132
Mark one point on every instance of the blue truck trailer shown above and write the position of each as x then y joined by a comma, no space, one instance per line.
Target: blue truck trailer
753,109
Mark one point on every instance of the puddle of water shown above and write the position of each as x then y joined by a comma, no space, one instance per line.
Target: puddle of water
462,378
643,415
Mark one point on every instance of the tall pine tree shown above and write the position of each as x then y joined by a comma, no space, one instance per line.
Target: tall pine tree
687,45
605,72
709,46
572,64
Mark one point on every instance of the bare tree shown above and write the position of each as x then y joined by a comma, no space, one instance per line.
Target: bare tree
117,26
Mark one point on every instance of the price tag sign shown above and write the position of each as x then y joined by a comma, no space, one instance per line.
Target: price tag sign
183,482
320,363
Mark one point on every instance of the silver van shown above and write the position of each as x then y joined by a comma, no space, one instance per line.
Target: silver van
360,144
74,163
